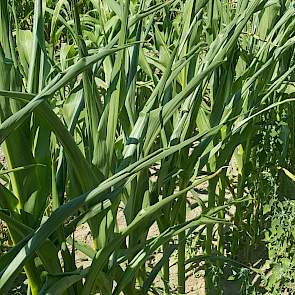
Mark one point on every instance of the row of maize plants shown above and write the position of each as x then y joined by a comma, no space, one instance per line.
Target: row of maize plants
123,103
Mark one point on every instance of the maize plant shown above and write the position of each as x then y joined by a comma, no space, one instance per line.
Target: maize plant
129,107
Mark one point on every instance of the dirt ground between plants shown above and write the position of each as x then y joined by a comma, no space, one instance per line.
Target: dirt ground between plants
195,283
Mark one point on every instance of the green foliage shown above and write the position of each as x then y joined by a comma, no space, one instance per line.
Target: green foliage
279,239
110,104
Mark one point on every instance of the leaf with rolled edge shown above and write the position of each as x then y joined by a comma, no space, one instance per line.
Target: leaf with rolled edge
7,199
157,268
143,117
20,96
64,22
289,174
19,229
21,233
23,41
3,172
7,257
55,15
83,247
59,285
